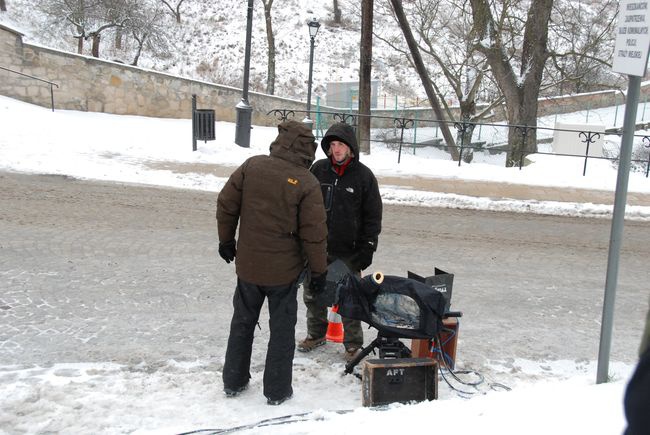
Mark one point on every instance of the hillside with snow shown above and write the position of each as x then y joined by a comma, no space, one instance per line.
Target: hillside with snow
209,45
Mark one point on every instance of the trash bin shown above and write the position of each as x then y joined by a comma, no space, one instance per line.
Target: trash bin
204,124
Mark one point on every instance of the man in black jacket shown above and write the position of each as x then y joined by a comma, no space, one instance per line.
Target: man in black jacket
354,209
637,393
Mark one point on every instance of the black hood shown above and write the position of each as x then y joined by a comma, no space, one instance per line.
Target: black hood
344,133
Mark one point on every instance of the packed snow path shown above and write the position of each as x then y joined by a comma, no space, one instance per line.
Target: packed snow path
97,272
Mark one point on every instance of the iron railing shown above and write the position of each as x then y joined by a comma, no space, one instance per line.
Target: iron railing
413,134
52,84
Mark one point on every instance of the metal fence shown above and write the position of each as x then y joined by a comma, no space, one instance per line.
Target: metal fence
484,142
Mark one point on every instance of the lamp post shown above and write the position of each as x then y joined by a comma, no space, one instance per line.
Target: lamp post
243,108
313,26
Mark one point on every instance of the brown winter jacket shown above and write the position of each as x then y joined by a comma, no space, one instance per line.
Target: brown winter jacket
279,207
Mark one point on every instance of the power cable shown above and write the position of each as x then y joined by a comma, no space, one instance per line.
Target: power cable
285,419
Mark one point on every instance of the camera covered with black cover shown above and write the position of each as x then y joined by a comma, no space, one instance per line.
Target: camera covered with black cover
397,307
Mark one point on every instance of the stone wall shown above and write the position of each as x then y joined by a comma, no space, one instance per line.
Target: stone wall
97,85
547,106
589,101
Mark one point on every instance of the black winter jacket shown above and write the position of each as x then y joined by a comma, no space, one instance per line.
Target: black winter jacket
352,201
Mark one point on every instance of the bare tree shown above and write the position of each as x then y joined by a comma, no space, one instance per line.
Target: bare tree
73,12
580,47
175,8
581,42
90,18
114,9
365,75
517,57
424,76
109,14
149,31
462,68
270,39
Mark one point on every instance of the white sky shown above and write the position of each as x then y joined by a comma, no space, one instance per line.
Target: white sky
547,396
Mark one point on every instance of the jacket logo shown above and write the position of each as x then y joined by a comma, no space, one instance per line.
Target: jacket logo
292,181
349,189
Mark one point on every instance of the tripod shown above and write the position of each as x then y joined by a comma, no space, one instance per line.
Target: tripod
393,347
388,348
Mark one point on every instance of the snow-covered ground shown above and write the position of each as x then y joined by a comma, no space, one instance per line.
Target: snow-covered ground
159,151
173,397
183,397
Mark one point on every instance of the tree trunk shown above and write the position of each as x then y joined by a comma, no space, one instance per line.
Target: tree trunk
95,46
424,76
337,12
80,44
466,130
177,14
139,51
3,6
118,39
365,75
270,38
520,91
522,137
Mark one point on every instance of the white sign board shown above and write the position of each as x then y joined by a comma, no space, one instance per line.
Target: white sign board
567,139
632,38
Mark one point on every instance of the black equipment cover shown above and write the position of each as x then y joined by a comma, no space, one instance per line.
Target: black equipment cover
441,281
336,272
398,307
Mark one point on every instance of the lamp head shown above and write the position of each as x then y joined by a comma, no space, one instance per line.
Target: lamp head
314,25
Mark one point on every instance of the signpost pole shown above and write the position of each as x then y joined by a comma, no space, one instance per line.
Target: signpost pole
616,235
631,58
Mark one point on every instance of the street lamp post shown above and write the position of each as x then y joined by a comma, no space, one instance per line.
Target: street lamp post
313,25
243,108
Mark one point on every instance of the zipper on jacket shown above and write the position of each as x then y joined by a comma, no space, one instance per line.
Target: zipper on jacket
336,181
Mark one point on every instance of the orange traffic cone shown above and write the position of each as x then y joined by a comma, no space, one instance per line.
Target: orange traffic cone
335,326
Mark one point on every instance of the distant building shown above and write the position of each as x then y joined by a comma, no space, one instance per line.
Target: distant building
346,94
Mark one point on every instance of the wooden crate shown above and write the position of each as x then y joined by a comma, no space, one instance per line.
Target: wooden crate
421,348
402,380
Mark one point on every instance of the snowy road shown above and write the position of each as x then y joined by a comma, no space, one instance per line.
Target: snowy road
93,272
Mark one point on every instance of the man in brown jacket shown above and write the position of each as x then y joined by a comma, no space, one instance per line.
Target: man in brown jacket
282,230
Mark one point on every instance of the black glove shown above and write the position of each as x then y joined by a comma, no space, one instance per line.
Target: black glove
318,282
227,250
363,258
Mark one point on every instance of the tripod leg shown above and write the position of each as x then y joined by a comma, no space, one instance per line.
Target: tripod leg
349,367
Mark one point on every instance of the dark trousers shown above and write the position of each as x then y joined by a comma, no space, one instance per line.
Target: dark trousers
317,317
283,307
637,398
317,322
